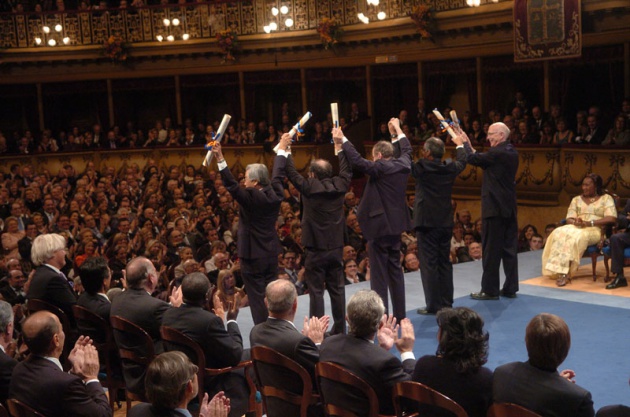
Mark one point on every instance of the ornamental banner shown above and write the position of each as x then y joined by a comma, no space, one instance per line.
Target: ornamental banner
547,29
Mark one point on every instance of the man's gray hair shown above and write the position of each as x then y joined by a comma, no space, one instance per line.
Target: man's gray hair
321,169
365,311
280,295
386,149
258,172
6,315
435,147
503,128
45,246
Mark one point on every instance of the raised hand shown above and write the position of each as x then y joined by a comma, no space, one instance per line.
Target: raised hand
219,406
387,332
337,135
407,338
177,298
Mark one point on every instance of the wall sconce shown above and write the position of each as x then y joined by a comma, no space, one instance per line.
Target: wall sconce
278,20
173,28
52,37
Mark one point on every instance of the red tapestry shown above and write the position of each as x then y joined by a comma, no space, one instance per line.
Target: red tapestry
547,29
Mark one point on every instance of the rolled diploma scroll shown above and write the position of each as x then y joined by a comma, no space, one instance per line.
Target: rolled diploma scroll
295,128
334,111
218,137
454,117
443,122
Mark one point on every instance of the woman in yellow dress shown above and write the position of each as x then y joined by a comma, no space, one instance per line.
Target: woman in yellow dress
587,214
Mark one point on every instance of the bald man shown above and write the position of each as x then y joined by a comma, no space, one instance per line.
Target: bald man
40,381
498,211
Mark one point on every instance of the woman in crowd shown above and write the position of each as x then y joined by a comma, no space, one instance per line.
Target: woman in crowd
477,135
563,134
524,237
587,214
618,135
457,370
228,292
11,236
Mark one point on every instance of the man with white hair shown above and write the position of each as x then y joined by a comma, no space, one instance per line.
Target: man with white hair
49,283
498,211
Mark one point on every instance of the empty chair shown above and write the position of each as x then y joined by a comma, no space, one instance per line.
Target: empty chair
417,394
343,393
285,385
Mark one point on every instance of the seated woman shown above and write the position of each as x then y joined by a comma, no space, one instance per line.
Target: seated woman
228,292
536,384
525,236
586,215
457,369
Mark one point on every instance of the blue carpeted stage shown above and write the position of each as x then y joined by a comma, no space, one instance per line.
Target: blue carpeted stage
600,347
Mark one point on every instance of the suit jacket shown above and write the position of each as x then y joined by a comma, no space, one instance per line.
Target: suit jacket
544,392
498,190
323,219
9,295
383,209
137,306
282,336
40,384
258,213
53,288
7,364
376,366
147,410
222,348
434,186
98,305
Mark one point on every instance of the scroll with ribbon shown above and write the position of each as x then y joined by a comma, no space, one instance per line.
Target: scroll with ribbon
216,138
334,111
298,128
445,125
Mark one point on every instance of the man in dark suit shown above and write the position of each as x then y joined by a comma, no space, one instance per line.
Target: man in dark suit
222,348
40,381
49,283
322,229
434,224
173,384
280,334
618,244
7,363
95,277
498,211
258,245
383,213
536,384
136,305
358,354
12,289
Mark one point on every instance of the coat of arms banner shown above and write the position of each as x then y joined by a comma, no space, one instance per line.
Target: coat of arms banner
547,29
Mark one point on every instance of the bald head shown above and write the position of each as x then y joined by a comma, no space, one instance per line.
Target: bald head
498,133
281,299
39,331
321,169
138,271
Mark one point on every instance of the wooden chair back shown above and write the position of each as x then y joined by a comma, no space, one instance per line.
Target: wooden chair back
331,378
173,337
281,379
510,410
3,411
418,393
107,349
19,409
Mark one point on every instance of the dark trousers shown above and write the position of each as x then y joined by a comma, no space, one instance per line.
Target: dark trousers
436,270
499,243
326,267
618,243
386,272
257,273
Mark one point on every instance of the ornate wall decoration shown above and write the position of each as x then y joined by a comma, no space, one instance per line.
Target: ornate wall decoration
547,29
528,165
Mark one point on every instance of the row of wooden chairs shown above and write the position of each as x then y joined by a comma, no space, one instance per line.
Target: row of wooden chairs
271,367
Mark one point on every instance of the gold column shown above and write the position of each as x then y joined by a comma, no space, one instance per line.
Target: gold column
241,87
479,74
40,106
368,93
110,103
303,86
178,100
546,92
626,69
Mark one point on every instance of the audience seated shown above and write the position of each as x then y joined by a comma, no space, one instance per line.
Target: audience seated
457,369
536,384
373,363
7,350
171,383
40,382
